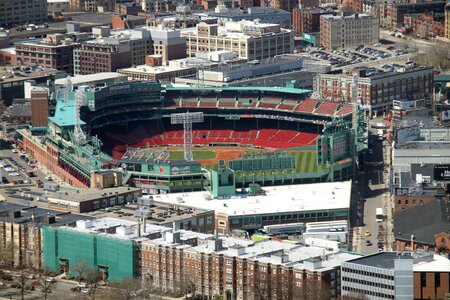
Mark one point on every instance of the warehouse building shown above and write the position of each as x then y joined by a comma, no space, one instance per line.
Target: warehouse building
272,205
91,199
248,39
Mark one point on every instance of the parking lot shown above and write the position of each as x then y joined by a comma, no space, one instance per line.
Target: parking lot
338,58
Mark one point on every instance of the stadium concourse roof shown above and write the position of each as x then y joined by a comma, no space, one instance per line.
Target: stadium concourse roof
240,88
65,113
277,199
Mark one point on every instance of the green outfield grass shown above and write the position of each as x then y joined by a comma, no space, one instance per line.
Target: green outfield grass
198,154
305,161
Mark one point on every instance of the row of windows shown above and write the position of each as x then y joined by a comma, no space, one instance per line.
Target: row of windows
369,283
366,273
365,292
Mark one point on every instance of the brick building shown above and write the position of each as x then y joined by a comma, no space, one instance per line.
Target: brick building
240,269
97,56
392,14
426,25
22,12
39,106
308,3
127,8
55,51
21,231
376,90
348,31
151,6
307,20
168,43
353,6
123,21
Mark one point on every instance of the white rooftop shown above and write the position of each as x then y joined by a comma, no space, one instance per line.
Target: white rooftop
124,229
80,79
288,198
438,264
153,70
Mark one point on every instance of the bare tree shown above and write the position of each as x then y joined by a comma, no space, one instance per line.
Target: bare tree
46,284
80,268
438,57
21,279
7,255
92,280
125,289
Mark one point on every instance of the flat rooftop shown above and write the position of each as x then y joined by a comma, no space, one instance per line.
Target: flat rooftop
119,228
144,69
161,213
11,74
80,79
40,215
89,194
278,199
268,251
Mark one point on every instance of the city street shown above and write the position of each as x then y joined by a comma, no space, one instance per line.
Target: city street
373,235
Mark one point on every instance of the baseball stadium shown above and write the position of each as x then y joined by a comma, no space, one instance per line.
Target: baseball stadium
183,138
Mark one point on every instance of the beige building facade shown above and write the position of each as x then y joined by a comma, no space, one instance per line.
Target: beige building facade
348,32
248,39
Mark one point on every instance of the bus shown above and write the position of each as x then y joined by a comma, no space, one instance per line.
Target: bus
292,228
379,214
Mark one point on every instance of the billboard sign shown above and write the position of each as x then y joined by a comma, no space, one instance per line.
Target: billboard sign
408,134
404,105
180,170
442,172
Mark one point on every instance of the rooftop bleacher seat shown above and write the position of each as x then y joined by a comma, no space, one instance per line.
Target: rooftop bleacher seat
327,108
307,105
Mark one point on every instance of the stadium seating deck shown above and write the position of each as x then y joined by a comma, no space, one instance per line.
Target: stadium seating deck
307,105
269,138
346,109
327,108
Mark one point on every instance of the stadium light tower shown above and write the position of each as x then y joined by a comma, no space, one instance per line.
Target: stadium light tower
80,100
187,119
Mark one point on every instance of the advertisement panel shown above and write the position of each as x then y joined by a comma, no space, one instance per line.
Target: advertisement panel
442,172
408,134
404,105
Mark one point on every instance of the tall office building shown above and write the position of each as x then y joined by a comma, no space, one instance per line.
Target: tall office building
22,12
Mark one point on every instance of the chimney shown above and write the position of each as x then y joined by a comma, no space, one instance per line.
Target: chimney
174,226
145,223
412,242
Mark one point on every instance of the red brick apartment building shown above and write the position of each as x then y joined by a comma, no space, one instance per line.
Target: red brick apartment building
307,20
54,52
426,25
96,56
265,270
392,13
376,91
